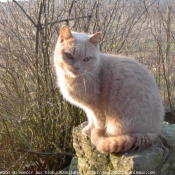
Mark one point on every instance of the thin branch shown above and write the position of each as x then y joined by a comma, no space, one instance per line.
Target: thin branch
71,19
134,23
33,22
44,153
57,21
69,12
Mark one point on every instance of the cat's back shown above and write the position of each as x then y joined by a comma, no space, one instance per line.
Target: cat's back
125,69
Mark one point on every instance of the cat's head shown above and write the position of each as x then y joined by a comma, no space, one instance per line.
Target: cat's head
77,54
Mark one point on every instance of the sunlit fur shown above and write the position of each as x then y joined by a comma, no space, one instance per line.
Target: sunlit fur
120,97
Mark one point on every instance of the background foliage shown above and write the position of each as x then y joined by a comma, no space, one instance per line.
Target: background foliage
35,121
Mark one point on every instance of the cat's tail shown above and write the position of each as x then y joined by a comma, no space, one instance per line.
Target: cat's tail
121,143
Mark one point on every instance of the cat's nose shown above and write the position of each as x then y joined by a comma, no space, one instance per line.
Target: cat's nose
76,67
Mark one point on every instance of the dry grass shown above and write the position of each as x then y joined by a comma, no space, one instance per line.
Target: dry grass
26,125
35,121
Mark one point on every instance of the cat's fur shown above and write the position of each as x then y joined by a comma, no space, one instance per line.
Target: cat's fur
120,97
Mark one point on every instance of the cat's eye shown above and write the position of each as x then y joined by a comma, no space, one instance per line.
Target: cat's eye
87,59
68,55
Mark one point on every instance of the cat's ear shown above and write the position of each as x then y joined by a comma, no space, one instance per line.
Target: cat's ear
95,39
65,34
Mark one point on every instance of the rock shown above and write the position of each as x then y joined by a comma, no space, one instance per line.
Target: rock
158,159
73,169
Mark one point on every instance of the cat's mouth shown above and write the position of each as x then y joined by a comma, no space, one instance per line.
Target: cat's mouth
74,73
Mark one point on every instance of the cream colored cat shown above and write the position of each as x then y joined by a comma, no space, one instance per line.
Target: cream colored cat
119,96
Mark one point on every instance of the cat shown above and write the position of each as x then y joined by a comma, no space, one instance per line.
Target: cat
120,97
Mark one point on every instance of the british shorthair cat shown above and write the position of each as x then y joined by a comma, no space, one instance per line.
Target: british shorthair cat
120,97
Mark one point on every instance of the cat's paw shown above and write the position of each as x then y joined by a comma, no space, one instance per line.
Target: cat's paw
87,129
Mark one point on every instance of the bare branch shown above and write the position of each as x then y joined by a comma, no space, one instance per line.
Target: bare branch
28,16
70,19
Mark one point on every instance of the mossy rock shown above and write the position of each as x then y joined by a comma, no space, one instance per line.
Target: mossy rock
156,159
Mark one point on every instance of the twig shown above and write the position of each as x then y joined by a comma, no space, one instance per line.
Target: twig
54,22
24,12
44,153
69,12
70,19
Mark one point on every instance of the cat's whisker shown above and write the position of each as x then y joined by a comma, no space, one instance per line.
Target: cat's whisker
84,81
90,79
92,75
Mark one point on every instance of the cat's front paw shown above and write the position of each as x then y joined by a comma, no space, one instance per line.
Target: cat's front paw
87,129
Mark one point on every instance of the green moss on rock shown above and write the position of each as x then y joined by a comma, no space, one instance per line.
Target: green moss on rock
157,159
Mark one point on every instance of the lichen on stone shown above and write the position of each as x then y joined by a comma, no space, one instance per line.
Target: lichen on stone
158,158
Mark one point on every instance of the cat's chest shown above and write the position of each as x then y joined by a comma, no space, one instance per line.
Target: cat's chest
79,92
65,87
